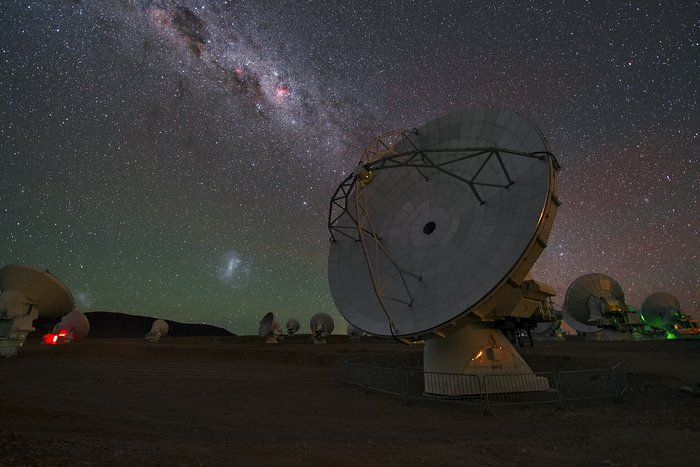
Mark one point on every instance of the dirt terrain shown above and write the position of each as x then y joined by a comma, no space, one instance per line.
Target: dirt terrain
237,401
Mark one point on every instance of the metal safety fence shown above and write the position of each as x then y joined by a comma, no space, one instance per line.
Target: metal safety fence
487,390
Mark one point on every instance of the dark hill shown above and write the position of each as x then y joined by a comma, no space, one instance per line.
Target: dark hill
110,324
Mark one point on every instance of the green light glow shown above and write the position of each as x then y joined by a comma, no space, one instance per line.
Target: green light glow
670,335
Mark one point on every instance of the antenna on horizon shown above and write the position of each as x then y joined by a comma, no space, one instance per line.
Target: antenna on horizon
354,333
292,326
159,328
595,305
662,311
72,326
321,326
269,328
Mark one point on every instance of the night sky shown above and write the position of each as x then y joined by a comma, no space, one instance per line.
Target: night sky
176,158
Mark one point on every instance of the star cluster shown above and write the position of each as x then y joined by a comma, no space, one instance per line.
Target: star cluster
176,158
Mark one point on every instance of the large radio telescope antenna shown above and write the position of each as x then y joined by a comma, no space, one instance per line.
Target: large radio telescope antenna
28,292
432,236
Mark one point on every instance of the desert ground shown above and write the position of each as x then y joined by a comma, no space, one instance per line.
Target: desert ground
237,401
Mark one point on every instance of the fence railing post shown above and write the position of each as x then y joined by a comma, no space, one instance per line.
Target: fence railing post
367,382
620,387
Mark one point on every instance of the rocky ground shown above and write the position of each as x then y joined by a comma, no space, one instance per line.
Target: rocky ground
236,401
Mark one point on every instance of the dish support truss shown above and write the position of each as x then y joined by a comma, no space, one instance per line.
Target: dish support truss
381,155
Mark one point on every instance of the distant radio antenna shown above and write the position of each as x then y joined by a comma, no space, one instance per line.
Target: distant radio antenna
321,325
662,311
159,328
72,326
595,304
592,297
292,326
354,334
269,328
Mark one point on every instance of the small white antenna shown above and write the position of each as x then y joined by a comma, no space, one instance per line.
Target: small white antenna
159,328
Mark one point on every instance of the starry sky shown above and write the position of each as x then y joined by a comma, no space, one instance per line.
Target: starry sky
176,158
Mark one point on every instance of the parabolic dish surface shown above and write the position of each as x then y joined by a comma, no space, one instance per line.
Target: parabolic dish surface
321,322
266,324
659,301
658,310
444,217
46,291
292,326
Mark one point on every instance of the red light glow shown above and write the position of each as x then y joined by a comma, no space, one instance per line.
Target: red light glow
59,338
50,338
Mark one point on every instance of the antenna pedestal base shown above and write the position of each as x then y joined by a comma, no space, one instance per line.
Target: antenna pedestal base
476,360
14,331
153,336
10,346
